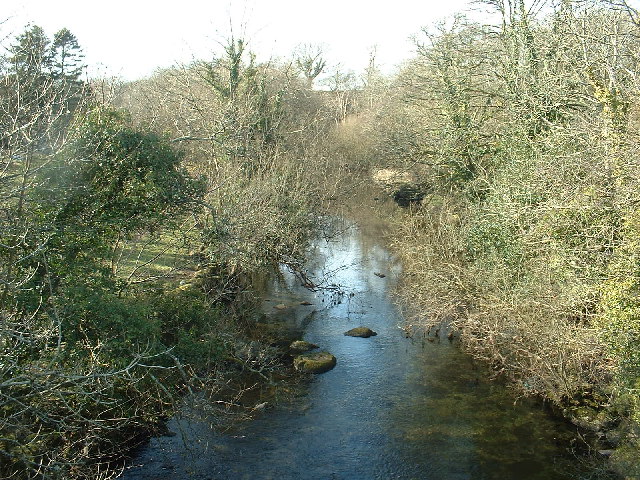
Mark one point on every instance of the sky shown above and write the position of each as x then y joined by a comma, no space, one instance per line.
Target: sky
132,38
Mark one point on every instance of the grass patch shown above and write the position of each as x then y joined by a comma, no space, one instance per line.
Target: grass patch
169,255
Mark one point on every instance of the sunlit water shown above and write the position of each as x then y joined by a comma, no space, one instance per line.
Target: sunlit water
392,408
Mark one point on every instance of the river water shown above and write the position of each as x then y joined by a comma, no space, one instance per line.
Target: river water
392,408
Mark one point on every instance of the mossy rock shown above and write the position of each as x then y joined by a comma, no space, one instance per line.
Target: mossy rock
587,418
319,362
363,332
301,346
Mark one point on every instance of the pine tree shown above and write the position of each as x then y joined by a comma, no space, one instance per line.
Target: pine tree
66,57
29,57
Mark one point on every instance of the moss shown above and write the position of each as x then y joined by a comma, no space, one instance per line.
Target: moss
319,362
626,461
302,346
363,332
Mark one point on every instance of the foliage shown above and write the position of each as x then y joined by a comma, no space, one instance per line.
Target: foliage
620,309
310,61
114,371
527,239
88,362
260,145
124,177
251,108
219,164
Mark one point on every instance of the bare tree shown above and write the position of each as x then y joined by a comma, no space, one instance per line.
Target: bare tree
311,62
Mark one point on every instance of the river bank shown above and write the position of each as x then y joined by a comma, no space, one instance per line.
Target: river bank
393,407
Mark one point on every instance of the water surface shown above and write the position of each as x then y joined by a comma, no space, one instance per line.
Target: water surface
392,408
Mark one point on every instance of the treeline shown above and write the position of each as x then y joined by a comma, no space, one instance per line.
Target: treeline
524,136
133,218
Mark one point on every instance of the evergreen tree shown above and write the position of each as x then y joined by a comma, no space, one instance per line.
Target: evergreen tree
65,70
66,57
26,95
30,56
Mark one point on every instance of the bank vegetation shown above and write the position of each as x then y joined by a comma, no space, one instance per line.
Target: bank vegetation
135,217
522,135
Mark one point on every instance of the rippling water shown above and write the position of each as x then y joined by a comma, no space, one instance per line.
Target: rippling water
392,408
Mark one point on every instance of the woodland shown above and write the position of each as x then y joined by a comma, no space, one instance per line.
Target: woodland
136,217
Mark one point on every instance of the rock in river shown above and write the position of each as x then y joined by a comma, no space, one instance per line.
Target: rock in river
302,346
363,332
319,362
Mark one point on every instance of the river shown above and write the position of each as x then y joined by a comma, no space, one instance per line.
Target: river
392,408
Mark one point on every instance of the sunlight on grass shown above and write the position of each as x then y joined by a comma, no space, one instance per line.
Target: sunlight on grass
150,257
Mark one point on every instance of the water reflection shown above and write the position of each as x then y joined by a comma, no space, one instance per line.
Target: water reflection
393,408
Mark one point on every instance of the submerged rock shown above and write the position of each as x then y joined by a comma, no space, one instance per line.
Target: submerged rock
302,346
363,332
319,362
391,178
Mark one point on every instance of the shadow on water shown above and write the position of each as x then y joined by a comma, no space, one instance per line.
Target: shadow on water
392,408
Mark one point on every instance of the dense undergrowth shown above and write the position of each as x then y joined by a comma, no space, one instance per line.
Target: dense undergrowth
523,139
132,227
135,218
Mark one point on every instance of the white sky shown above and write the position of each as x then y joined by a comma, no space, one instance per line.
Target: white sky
131,38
